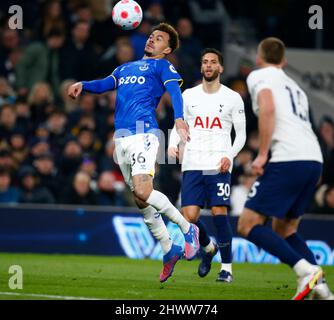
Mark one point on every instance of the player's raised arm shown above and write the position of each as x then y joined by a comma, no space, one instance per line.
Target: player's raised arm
94,86
266,117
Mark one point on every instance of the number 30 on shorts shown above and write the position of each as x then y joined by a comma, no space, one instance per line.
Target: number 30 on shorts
224,189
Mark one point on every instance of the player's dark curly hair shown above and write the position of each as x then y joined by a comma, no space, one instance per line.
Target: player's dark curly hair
174,41
215,51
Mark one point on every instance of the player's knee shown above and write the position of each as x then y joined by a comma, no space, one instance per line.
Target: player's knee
142,193
243,227
284,231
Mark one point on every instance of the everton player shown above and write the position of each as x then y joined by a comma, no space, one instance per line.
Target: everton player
287,182
140,85
211,110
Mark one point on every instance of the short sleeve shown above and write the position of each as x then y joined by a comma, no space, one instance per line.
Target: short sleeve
168,72
255,83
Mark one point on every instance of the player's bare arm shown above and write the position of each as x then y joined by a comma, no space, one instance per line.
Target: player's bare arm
266,128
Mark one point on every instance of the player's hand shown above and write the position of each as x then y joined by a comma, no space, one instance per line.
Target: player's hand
225,164
258,164
173,152
182,129
74,90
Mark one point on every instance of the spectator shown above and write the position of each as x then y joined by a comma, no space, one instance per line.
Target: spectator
40,102
71,159
124,53
89,166
87,105
9,121
79,51
18,146
42,62
48,174
88,141
51,18
56,125
110,190
79,192
208,16
38,146
190,46
6,160
8,194
68,104
326,140
31,190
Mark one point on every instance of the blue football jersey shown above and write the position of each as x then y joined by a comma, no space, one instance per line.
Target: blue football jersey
140,85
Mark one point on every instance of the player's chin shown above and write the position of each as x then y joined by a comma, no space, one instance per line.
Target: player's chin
148,53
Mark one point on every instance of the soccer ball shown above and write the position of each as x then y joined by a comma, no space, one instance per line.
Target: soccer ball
127,14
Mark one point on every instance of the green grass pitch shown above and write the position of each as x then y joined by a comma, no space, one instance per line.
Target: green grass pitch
60,276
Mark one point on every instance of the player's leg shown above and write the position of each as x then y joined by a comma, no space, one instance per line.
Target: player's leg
152,218
274,194
224,241
154,222
171,252
287,228
218,189
143,153
192,214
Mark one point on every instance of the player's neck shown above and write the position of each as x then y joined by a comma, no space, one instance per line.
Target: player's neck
266,65
159,56
211,86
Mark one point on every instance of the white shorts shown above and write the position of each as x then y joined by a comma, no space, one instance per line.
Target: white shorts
137,154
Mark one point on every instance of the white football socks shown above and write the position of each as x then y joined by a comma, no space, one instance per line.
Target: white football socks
161,203
227,267
303,268
158,228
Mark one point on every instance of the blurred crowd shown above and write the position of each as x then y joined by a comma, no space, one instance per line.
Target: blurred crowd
57,150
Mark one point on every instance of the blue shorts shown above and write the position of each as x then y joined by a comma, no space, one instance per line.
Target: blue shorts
285,188
199,189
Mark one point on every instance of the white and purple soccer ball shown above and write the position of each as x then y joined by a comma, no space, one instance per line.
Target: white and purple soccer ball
127,14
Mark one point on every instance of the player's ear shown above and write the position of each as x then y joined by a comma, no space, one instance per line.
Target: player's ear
168,50
221,69
258,60
284,62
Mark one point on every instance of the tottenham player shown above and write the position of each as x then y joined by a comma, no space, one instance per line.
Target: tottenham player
286,184
210,109
140,85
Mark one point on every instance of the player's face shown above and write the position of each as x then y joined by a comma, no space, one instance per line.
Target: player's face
211,69
157,44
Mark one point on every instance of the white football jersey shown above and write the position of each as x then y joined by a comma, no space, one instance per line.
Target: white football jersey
210,118
293,138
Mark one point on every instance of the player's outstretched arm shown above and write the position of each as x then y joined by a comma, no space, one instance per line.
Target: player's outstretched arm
95,86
